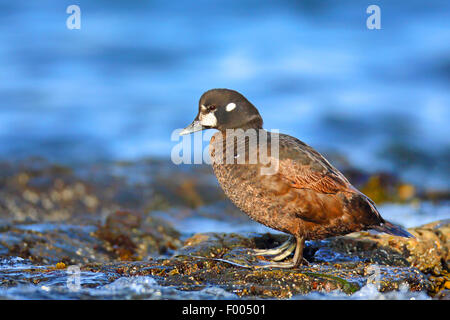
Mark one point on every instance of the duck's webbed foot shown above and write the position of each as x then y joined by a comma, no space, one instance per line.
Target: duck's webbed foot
287,248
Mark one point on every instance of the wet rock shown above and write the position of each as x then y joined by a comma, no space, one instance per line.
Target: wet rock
345,263
124,236
224,261
443,295
51,243
132,236
429,251
130,219
340,273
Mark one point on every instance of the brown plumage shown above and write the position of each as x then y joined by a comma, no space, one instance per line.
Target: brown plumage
306,197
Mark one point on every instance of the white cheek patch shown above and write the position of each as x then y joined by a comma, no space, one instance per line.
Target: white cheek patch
230,107
208,120
203,107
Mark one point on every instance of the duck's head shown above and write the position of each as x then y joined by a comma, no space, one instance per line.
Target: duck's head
224,109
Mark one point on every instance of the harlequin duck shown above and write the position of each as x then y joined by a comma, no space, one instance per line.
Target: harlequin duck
305,196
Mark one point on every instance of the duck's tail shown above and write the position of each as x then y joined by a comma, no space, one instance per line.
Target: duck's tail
390,228
386,226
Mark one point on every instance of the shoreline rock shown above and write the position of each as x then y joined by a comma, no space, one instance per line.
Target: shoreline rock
223,260
54,217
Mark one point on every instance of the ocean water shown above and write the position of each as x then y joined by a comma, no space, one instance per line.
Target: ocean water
133,73
145,287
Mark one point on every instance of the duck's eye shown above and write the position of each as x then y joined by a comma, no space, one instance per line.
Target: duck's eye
211,108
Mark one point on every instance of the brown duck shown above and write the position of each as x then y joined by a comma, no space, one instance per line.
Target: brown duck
305,196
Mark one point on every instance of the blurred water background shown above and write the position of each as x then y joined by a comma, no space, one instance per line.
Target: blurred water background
117,88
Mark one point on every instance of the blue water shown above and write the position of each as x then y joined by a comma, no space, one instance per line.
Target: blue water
117,88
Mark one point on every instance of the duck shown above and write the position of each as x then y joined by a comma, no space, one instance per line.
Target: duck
280,181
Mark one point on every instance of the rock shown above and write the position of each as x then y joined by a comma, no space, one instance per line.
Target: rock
118,220
132,236
124,236
223,260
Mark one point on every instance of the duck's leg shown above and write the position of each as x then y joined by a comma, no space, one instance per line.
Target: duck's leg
296,261
277,250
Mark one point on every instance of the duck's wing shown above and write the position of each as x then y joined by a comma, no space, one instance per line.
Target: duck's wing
302,167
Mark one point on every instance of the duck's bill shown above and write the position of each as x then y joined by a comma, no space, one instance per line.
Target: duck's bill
193,127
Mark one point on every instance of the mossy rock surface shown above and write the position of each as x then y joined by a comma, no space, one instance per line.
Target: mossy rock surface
120,221
213,259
